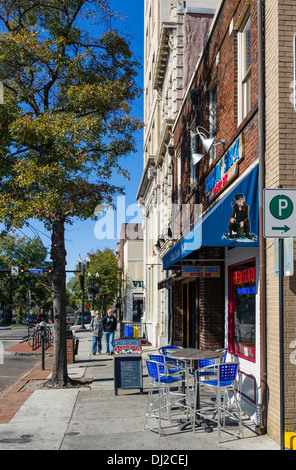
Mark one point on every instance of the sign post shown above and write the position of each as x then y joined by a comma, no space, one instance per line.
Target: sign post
280,222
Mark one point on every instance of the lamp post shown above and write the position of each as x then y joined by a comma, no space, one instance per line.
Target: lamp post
82,265
94,290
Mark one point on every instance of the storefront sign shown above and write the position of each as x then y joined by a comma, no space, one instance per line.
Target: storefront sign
127,346
226,170
200,271
244,276
221,225
138,283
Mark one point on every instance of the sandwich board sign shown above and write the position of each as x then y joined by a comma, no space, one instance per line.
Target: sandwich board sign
280,213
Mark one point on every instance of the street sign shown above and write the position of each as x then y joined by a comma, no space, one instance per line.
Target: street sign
35,271
14,271
280,213
288,257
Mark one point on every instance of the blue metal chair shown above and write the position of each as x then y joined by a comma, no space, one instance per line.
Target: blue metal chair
222,385
208,367
167,367
164,349
160,407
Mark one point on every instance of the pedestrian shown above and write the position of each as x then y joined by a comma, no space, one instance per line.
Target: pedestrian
96,326
109,327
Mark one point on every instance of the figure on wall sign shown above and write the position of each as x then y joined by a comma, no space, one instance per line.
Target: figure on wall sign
239,225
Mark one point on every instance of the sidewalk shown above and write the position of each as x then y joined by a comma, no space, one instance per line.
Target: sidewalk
93,418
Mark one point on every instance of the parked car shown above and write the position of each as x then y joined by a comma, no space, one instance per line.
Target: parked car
71,320
42,317
87,318
32,320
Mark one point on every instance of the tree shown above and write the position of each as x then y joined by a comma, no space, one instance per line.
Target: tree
29,253
65,123
106,265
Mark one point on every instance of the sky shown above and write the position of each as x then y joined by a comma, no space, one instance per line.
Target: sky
85,237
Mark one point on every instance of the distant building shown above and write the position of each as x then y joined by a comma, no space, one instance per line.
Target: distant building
130,259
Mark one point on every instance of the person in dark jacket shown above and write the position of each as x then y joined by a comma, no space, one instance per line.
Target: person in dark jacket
96,326
109,327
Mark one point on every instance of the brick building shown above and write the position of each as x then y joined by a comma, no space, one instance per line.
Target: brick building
175,32
234,136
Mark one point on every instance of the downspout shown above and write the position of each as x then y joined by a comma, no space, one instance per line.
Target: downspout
262,250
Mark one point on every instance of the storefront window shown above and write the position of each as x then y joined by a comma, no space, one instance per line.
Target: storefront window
242,309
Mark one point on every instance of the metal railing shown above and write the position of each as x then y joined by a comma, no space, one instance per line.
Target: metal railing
141,328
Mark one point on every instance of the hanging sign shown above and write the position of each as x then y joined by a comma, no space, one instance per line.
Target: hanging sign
200,271
226,170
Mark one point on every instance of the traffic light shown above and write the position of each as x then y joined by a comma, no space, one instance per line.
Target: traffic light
90,293
103,296
22,270
50,270
87,305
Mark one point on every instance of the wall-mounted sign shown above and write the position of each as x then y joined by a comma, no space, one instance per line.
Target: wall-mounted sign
138,283
226,170
220,226
200,271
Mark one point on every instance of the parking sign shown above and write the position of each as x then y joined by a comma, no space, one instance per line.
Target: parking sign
280,213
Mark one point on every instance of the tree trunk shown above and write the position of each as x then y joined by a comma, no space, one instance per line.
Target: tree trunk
58,256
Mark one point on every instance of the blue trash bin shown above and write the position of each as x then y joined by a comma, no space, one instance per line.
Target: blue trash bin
128,331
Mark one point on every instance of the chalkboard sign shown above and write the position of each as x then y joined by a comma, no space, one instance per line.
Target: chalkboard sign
128,372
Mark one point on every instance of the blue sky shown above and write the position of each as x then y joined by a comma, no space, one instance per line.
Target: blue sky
80,237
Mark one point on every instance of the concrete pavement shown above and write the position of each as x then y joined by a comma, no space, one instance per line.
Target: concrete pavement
93,418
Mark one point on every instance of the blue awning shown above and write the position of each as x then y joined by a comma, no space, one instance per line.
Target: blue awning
215,228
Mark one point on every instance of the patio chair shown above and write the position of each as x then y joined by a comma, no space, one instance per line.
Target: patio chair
209,367
164,403
164,349
167,367
221,385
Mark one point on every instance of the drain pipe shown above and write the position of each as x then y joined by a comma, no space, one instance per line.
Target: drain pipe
262,245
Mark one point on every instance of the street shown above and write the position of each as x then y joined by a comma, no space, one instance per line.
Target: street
11,366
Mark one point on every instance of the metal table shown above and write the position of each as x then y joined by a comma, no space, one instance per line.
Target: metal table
189,355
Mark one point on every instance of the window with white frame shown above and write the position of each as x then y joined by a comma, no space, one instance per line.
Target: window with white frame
244,68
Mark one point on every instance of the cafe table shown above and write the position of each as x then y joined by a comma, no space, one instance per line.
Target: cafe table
191,355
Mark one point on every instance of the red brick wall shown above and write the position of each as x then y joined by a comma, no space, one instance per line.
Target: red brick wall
220,57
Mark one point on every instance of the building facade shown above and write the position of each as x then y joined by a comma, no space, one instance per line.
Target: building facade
233,136
174,35
130,260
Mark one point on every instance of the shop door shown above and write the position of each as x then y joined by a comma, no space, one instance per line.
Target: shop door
189,314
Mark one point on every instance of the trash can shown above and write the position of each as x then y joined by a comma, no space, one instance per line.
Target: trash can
136,332
128,331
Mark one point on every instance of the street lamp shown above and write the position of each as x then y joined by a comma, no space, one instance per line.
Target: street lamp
82,265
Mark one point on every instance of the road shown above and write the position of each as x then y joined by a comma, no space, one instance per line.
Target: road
11,367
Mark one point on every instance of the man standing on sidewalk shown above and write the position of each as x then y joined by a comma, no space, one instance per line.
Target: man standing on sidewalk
109,327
